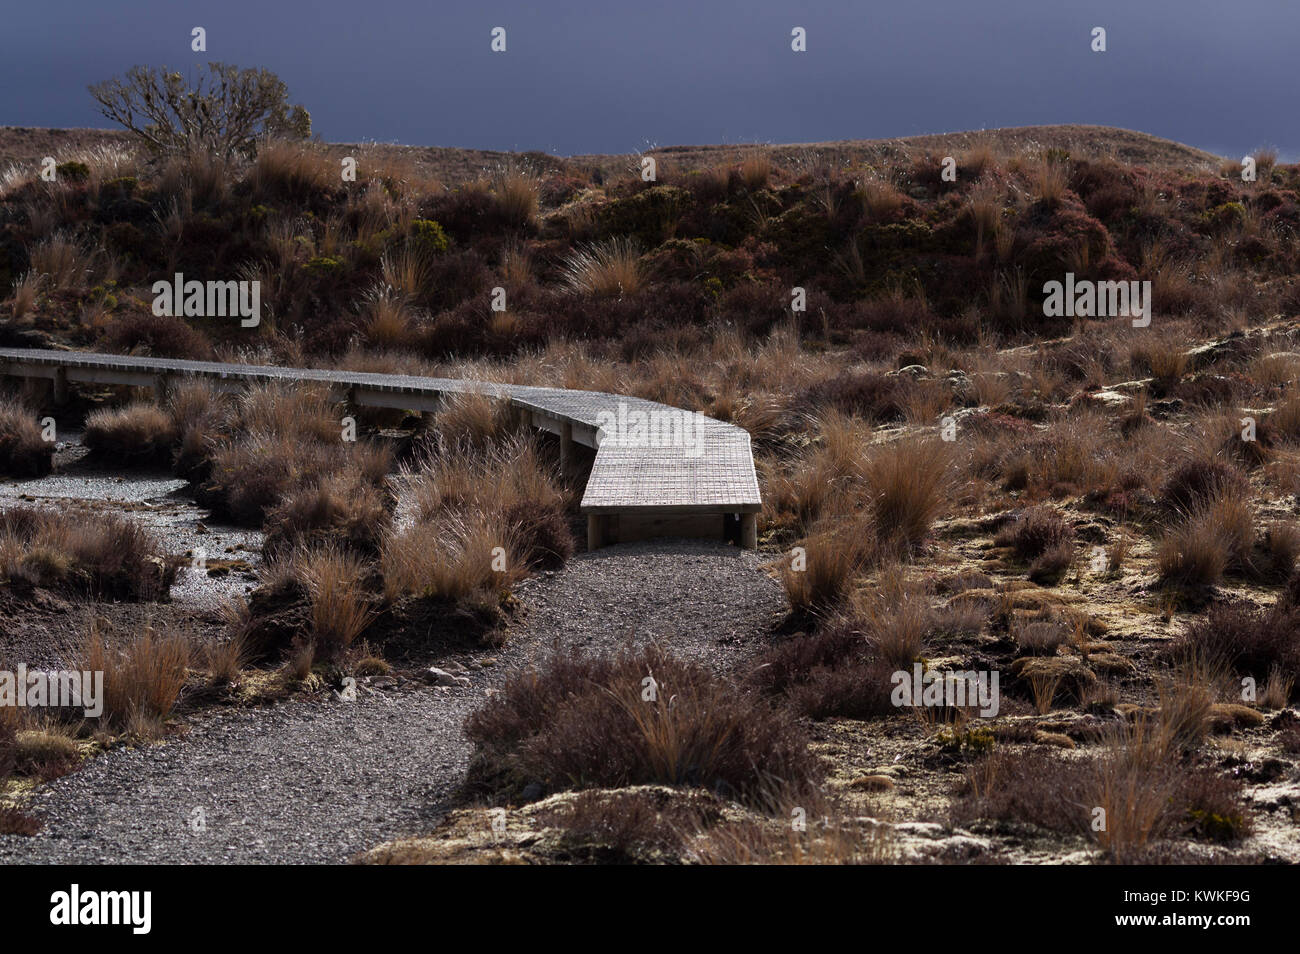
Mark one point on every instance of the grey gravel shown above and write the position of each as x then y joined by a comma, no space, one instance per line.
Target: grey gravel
317,781
698,599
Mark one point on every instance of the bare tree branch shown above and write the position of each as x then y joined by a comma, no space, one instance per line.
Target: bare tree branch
225,114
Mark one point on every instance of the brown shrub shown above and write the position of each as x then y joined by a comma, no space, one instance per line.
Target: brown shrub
8,740
14,821
1137,788
1248,641
582,722
619,827
844,668
158,336
872,396
790,662
1049,566
1034,532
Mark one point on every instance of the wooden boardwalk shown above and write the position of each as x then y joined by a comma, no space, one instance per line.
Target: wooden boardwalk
658,470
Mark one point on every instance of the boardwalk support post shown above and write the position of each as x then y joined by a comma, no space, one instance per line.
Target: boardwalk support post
566,449
749,531
60,388
595,531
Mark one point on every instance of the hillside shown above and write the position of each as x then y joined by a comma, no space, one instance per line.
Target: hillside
452,165
1090,515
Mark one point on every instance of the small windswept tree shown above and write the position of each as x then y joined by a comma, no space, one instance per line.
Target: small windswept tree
225,113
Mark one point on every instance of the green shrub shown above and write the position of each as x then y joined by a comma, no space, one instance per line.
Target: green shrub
324,266
73,171
426,234
650,216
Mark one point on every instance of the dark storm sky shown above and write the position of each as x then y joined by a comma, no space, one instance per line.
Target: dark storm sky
589,76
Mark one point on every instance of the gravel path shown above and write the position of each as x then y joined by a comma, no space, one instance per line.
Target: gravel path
319,781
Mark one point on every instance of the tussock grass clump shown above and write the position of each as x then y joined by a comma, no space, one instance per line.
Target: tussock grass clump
1213,538
1195,554
280,441
587,722
798,492
143,676
64,263
47,752
390,322
162,336
290,171
880,200
1186,697
1052,182
608,269
200,415
1034,532
516,191
1199,480
1281,549
341,509
819,573
504,492
1284,423
450,558
896,614
104,556
909,485
254,474
138,434
1041,637
1040,536
475,420
340,607
23,451
755,172
224,659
